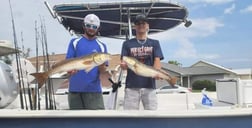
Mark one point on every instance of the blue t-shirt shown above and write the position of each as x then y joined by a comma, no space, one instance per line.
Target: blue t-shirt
145,52
82,81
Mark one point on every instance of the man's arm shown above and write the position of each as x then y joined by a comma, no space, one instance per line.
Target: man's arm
123,65
157,63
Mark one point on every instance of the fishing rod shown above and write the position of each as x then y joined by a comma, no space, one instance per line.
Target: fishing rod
44,62
50,100
21,76
29,89
116,85
16,54
26,73
37,94
50,86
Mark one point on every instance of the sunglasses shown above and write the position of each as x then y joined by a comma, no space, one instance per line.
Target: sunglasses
91,26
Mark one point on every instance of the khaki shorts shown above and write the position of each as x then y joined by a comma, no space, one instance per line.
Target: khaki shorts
133,97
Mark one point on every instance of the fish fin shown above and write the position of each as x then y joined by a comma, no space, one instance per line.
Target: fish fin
41,78
88,69
88,62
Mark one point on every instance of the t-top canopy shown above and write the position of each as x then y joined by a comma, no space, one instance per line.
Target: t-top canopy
116,16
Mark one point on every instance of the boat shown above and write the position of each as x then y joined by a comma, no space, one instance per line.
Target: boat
126,119
6,48
116,17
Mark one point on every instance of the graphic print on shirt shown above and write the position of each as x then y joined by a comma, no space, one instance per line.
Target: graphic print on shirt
141,52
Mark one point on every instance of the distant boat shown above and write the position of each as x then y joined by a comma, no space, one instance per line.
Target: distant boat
6,48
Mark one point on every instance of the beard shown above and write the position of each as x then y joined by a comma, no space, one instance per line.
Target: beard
90,34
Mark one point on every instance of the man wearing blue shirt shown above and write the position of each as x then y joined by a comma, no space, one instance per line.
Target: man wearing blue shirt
85,88
147,51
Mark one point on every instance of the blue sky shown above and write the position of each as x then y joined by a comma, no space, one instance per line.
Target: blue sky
220,32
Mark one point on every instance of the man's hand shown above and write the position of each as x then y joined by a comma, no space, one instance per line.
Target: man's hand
157,77
102,68
72,72
123,65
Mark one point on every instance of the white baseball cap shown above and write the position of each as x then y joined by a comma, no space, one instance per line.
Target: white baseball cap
92,19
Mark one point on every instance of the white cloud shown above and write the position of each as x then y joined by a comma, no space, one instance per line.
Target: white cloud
214,2
186,50
240,60
247,9
209,56
205,27
200,28
218,1
230,9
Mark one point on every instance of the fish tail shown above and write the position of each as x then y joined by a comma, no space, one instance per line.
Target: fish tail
172,81
41,78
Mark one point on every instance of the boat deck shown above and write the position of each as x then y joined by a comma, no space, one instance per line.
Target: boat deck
217,118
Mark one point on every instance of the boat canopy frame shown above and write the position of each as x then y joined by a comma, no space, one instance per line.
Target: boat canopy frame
117,17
